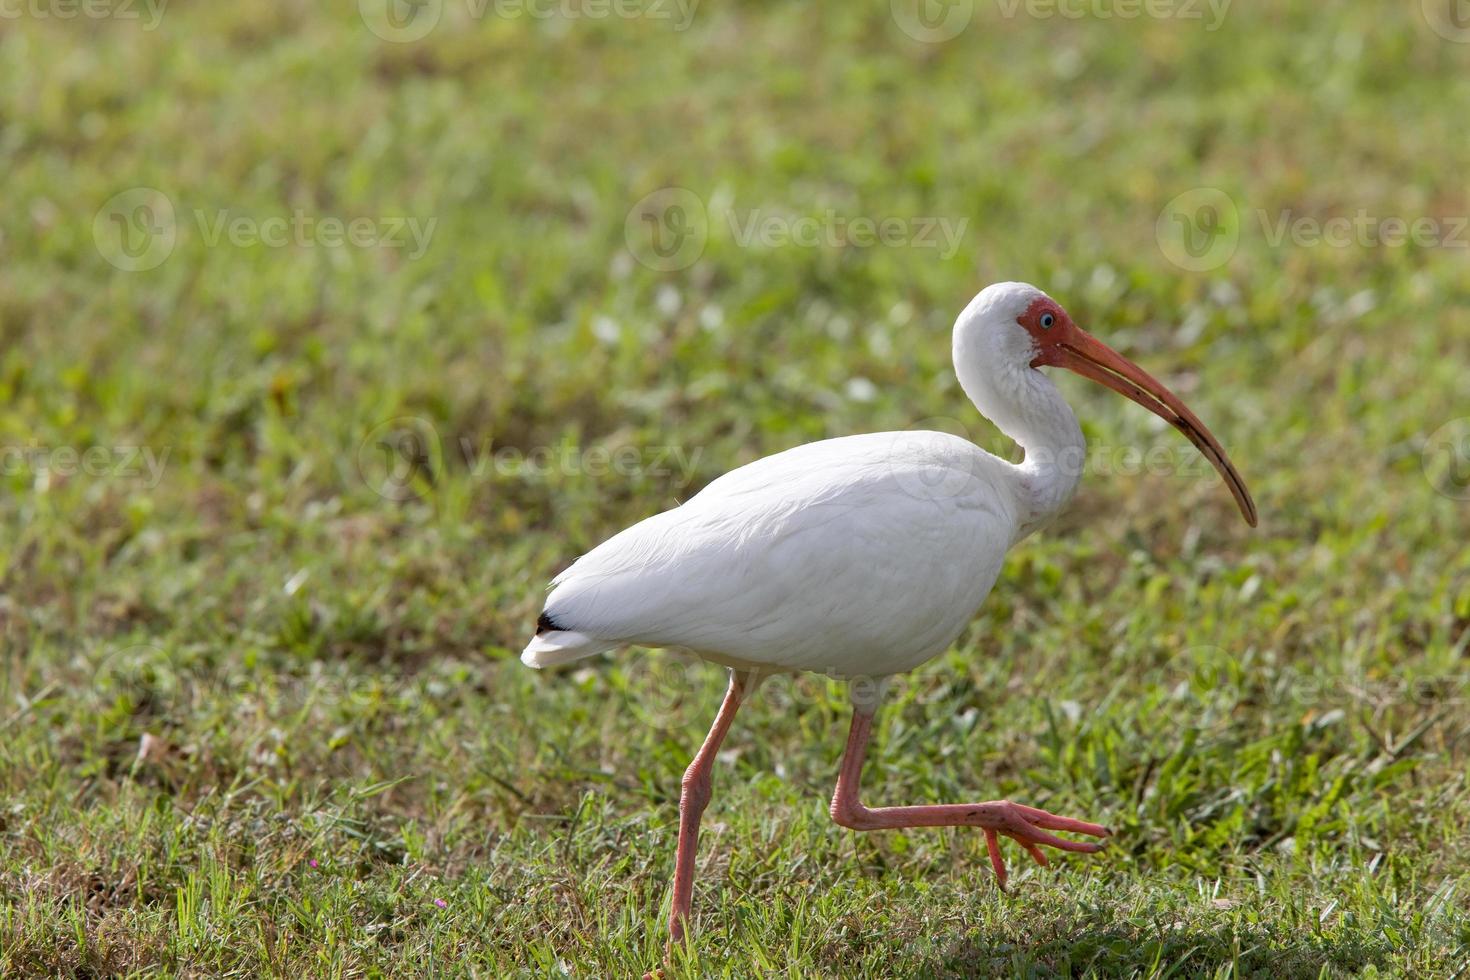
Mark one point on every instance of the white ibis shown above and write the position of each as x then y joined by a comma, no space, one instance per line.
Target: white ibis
862,557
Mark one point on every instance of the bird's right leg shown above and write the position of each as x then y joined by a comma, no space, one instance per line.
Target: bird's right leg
1024,824
694,796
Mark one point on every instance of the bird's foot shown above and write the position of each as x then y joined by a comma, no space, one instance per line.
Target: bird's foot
676,938
1028,826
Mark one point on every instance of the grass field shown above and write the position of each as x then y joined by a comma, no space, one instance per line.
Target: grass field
331,334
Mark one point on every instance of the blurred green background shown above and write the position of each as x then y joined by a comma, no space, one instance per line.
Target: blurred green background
331,334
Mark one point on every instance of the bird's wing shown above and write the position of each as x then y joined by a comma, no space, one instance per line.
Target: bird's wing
866,550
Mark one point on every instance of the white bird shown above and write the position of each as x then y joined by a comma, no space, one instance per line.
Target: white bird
861,557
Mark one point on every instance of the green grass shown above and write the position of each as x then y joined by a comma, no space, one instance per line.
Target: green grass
345,771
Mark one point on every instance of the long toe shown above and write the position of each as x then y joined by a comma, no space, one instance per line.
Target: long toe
1051,821
1021,825
997,863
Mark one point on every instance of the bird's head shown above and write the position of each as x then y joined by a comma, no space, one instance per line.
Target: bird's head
1017,327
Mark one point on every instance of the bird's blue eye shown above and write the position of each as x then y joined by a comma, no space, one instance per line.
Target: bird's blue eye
1047,320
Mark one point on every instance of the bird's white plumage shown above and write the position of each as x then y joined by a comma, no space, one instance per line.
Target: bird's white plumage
859,556
862,557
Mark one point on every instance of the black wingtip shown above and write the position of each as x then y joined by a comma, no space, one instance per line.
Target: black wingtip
545,624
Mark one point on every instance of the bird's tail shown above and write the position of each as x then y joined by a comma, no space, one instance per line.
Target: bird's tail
554,647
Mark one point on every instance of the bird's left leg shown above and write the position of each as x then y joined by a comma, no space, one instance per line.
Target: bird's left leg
695,795
1024,824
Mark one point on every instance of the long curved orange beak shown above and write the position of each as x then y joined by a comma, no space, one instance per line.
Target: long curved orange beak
1086,355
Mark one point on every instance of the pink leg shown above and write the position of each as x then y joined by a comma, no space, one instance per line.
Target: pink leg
695,797
997,817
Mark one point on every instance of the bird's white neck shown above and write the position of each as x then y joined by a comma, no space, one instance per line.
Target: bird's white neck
1027,407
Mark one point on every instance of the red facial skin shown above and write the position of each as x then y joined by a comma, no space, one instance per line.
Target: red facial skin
1047,338
1064,344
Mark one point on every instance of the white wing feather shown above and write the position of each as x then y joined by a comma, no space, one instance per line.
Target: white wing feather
864,555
